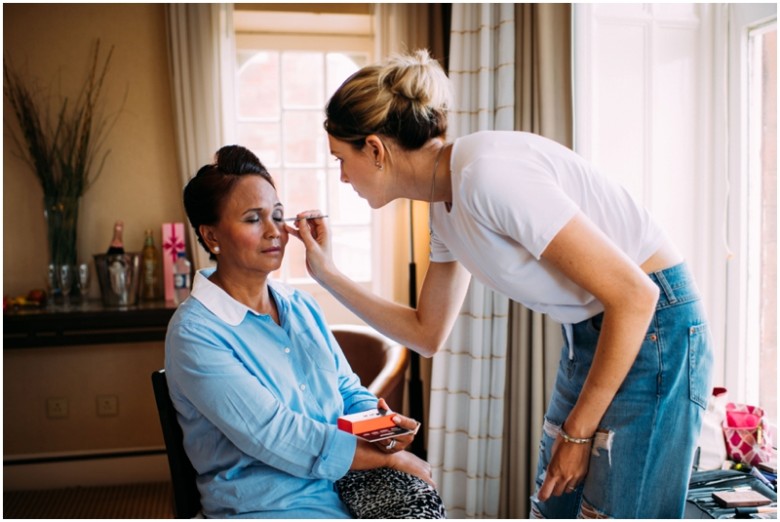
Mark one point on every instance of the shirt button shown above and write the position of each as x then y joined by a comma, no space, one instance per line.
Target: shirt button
286,350
303,387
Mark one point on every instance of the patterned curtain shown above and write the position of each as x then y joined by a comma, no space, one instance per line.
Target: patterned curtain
467,388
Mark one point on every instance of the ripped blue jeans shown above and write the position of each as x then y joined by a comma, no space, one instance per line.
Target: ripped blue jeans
642,455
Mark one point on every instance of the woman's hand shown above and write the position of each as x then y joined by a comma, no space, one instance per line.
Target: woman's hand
412,464
567,469
315,235
401,442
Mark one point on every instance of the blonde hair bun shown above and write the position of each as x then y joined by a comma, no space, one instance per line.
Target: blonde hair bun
417,77
405,98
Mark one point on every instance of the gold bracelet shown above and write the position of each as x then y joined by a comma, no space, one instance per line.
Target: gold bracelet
574,440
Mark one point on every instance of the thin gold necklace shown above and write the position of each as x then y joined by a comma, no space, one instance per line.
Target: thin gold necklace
435,168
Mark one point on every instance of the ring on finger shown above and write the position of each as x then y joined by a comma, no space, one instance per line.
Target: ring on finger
391,445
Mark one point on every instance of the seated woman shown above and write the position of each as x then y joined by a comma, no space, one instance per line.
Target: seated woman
256,377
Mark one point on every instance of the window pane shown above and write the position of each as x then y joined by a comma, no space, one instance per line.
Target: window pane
302,131
346,207
340,67
258,85
302,80
263,139
352,251
303,189
280,110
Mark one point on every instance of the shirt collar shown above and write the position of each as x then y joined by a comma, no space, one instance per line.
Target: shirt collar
221,304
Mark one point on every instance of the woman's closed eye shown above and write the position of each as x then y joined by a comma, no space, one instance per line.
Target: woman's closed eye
277,215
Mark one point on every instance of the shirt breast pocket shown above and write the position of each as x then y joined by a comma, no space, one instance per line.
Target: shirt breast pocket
315,350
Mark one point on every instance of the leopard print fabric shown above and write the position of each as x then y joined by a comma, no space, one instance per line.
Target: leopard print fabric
388,493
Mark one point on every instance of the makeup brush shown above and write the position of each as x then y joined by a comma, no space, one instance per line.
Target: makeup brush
306,218
745,512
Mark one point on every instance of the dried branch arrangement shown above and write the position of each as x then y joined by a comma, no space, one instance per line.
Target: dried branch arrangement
61,150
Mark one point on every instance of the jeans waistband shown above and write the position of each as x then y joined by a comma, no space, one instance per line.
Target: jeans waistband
677,285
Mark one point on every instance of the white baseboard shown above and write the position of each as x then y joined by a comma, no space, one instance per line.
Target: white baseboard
103,471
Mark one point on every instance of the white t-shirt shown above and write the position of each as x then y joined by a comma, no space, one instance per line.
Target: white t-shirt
512,192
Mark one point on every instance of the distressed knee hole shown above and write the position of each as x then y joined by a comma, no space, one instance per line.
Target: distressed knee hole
602,442
587,510
535,513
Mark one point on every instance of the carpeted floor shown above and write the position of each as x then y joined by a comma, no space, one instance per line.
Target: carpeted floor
151,500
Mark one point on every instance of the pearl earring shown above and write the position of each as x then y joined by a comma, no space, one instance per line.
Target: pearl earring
216,250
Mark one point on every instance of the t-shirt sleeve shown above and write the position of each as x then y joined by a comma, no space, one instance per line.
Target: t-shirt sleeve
439,251
518,198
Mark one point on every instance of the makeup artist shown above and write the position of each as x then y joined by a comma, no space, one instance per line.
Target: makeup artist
257,378
534,221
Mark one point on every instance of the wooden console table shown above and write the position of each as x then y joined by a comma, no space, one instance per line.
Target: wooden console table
85,323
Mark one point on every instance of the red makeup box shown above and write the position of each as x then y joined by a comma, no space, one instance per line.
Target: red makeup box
371,425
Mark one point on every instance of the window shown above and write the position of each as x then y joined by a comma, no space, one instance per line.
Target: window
279,114
689,93
753,297
763,133
288,64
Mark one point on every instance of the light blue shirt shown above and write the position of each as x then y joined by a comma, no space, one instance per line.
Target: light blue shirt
258,403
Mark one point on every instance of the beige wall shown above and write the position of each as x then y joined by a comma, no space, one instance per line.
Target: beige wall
80,374
139,184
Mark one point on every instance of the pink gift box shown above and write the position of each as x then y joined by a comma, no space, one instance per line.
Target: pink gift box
172,244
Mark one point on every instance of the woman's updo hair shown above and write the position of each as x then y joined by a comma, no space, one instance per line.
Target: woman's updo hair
206,193
405,98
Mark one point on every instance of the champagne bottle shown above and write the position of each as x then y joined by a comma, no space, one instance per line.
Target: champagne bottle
117,247
151,270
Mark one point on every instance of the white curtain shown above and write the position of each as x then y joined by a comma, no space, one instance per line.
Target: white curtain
201,50
468,381
400,28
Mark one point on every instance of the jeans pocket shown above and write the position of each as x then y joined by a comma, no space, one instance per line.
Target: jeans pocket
699,364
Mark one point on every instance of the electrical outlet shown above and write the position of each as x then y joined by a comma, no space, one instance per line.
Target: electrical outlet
107,405
56,407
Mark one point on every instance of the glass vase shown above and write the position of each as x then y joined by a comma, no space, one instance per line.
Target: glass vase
61,215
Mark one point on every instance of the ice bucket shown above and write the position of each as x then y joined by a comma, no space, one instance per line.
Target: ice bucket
118,276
